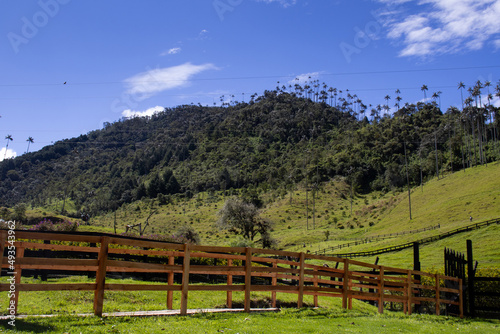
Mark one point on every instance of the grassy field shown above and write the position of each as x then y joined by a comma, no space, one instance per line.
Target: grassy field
328,318
287,321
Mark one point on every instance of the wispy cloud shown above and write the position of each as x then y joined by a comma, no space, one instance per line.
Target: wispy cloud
157,80
171,51
10,154
284,3
305,77
148,112
434,27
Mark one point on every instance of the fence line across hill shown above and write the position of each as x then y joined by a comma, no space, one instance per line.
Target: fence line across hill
260,269
360,241
399,247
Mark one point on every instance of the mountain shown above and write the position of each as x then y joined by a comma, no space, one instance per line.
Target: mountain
273,142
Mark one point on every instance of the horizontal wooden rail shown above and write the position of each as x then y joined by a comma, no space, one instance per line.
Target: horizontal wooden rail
274,271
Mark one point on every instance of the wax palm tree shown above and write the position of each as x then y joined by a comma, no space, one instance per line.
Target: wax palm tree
9,139
30,140
424,89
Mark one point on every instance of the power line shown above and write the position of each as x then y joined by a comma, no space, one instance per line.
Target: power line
69,83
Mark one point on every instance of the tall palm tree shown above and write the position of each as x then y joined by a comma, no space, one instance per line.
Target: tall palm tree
424,89
398,98
387,108
9,139
30,140
461,86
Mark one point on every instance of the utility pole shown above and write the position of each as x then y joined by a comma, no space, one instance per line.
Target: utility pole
408,180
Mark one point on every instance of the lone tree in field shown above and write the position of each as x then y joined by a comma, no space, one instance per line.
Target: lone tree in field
243,219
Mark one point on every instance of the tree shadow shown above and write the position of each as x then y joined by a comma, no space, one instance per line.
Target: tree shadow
24,326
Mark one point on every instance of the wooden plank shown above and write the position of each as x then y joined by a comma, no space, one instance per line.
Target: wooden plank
217,249
275,270
142,266
274,252
185,279
248,278
320,289
54,264
363,264
145,243
217,288
54,247
324,258
170,282
101,276
141,287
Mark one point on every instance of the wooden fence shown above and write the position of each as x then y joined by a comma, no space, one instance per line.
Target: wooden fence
272,271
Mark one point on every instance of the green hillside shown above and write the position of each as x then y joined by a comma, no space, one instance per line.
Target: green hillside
449,202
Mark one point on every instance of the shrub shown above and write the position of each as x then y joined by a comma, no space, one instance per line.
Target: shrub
48,225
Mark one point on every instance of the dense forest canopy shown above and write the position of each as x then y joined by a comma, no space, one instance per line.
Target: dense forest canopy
286,137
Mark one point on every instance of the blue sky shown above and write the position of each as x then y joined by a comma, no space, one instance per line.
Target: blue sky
68,66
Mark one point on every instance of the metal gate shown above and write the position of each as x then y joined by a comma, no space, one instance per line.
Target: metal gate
454,265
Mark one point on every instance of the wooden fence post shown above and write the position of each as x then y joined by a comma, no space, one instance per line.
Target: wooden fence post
170,282
274,282
315,284
410,292
3,240
416,266
185,279
345,284
381,291
301,281
229,298
101,276
461,298
470,280
438,308
248,278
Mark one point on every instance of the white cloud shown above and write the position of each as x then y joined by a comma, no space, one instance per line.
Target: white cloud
151,82
10,154
305,77
148,112
442,26
171,51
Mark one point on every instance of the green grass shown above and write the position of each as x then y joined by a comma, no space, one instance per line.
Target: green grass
328,318
285,321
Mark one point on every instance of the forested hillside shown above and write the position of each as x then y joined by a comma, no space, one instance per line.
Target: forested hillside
273,142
